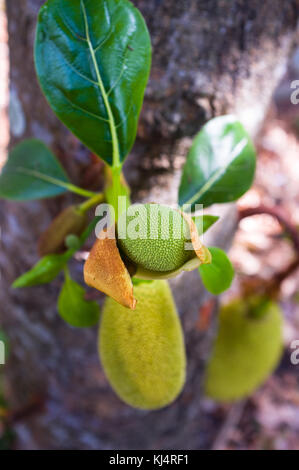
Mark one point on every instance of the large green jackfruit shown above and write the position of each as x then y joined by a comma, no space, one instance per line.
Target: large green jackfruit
246,350
142,350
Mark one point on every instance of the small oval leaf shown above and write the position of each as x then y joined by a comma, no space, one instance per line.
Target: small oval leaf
50,266
204,222
43,272
220,165
30,173
217,276
73,308
93,60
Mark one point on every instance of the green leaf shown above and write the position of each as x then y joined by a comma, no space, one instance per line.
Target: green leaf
73,308
29,173
220,165
50,266
217,276
204,222
43,272
93,60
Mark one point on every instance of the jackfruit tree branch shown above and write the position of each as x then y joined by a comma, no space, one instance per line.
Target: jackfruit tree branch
291,230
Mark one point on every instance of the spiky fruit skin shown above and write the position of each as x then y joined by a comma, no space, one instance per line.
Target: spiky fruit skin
246,351
164,253
142,350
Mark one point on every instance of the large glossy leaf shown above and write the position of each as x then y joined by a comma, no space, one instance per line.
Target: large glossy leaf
93,61
30,173
220,165
218,275
73,308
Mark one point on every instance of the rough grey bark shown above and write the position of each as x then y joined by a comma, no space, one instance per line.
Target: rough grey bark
209,58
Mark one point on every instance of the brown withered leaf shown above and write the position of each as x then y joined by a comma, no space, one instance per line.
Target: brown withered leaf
200,249
69,221
105,270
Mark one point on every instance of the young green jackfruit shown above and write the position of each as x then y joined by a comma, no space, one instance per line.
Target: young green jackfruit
142,350
163,233
247,349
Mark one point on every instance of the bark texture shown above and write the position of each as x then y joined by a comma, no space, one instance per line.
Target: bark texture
209,58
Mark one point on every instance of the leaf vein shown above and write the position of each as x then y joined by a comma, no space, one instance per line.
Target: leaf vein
74,34
123,68
93,82
126,116
206,187
83,110
99,46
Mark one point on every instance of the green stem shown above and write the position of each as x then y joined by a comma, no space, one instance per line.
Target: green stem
66,272
116,182
83,237
80,191
93,201
63,184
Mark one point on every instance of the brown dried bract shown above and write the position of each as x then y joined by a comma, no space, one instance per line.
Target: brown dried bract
105,270
201,251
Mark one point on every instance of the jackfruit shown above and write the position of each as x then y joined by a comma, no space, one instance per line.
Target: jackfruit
109,270
246,350
163,233
142,350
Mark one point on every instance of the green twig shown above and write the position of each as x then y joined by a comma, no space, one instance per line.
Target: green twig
93,201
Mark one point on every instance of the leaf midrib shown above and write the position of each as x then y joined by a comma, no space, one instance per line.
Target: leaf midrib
206,187
115,144
55,181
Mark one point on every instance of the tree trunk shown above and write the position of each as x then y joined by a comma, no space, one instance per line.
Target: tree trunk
209,58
